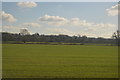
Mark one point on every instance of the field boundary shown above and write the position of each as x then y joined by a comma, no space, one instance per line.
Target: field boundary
60,78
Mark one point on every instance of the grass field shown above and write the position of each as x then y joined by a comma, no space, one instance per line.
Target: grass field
59,61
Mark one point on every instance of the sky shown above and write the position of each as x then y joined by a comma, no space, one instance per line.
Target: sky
93,19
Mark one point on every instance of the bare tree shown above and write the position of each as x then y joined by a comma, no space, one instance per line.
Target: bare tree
116,35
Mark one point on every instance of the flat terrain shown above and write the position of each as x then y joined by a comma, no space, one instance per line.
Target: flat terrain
59,61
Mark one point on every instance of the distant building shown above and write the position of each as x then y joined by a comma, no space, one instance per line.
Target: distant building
24,31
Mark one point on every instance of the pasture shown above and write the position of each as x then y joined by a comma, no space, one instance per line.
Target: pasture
59,61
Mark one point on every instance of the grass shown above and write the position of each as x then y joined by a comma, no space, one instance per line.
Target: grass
59,61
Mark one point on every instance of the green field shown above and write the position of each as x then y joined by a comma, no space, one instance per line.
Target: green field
59,61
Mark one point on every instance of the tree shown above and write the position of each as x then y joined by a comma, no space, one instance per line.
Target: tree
36,34
116,36
24,32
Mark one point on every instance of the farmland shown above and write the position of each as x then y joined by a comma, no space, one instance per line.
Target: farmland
59,61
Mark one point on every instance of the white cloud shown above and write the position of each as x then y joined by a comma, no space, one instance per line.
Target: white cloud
57,31
88,32
113,11
15,29
7,17
27,4
75,19
84,23
82,27
78,22
32,24
61,21
52,18
10,28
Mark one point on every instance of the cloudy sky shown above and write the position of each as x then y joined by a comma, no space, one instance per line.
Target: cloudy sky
93,19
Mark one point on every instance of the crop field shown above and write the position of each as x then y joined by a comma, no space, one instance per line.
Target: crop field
59,61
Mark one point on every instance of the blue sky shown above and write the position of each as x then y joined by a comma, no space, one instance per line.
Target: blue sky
98,19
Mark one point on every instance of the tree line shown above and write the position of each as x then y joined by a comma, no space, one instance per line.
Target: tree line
55,38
